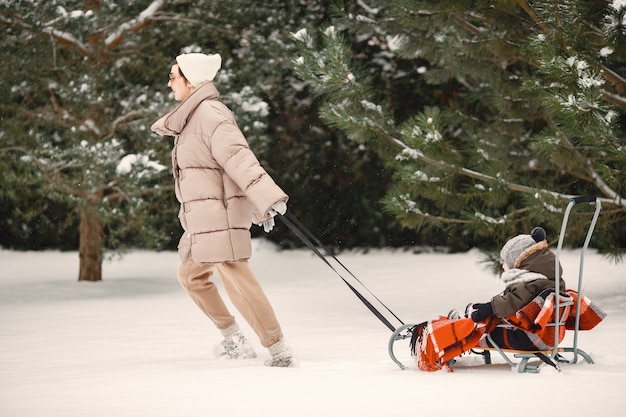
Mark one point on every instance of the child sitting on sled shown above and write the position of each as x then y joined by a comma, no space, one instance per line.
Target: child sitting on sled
526,303
529,269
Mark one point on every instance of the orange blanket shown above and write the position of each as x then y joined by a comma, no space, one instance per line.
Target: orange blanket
435,342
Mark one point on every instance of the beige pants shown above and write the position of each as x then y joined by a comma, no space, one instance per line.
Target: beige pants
244,291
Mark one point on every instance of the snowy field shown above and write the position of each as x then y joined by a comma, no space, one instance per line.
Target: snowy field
135,345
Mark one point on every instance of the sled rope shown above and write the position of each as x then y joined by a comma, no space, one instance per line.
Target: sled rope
305,235
546,359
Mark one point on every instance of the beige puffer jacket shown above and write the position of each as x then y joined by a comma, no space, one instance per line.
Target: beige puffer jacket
219,182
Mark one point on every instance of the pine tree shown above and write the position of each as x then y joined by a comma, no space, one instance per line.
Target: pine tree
84,80
526,112
331,181
79,96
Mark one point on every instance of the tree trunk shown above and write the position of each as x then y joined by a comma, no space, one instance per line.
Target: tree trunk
91,245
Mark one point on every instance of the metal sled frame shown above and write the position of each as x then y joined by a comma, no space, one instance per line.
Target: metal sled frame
401,333
554,356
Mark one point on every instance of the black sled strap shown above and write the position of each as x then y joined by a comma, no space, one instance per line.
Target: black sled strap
546,359
301,231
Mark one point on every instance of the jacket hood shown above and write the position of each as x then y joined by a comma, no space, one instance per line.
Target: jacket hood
539,260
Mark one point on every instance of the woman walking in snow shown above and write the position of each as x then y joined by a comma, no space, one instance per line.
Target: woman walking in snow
222,190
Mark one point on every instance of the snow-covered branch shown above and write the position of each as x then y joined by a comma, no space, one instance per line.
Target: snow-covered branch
122,119
367,8
58,35
604,187
615,99
7,149
614,78
143,19
67,39
528,9
614,200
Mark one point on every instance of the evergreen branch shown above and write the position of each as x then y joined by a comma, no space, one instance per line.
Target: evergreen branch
595,178
467,25
615,99
614,78
559,25
615,200
604,187
140,22
8,149
530,12
120,194
179,19
55,104
59,36
455,220
53,176
115,192
440,219
67,39
135,114
368,9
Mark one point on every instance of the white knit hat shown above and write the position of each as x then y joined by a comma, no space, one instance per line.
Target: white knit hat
199,68
514,248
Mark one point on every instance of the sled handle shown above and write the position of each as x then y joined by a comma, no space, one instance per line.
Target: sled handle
572,203
584,199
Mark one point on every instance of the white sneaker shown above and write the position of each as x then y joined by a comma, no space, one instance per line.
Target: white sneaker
236,346
281,360
281,356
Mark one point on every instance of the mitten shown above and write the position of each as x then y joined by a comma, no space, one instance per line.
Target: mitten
278,208
481,311
268,225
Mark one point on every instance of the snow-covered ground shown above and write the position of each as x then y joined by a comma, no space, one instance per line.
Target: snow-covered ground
135,345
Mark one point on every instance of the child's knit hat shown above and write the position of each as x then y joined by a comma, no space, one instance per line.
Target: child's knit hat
515,247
